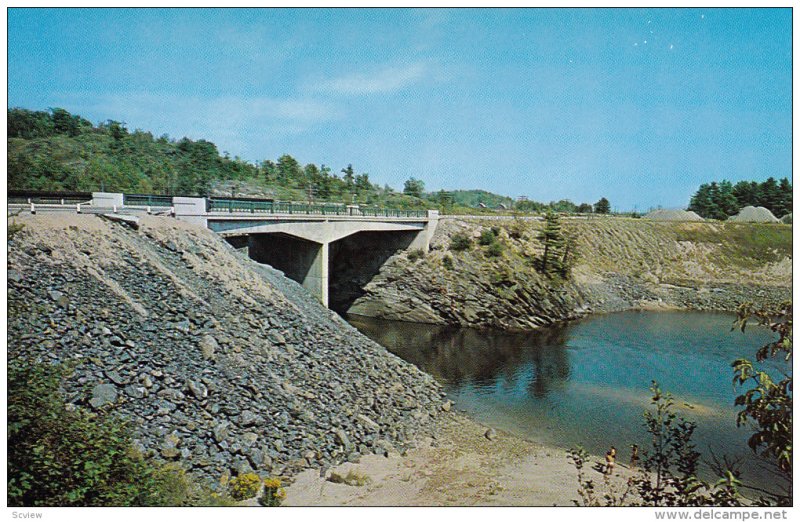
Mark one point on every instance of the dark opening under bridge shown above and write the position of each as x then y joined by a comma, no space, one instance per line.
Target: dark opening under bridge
321,246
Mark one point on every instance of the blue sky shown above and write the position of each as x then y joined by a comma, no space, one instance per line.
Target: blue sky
637,105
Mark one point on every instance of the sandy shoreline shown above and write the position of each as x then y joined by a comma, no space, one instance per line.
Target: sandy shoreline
461,467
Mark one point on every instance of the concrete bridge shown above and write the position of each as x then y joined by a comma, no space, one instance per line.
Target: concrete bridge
321,246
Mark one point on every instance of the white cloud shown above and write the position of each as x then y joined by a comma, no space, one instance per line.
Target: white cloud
388,79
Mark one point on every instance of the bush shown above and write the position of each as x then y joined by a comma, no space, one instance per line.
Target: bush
495,249
488,236
460,242
447,262
416,255
273,493
245,486
58,457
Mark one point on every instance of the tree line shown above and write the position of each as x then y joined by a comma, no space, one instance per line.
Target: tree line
55,150
724,199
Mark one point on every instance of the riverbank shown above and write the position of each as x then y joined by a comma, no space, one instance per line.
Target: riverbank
617,264
460,467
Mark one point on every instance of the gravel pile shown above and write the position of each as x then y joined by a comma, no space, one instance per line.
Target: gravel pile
751,214
220,364
673,215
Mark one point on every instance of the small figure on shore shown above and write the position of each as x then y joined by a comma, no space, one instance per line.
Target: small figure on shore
634,456
611,460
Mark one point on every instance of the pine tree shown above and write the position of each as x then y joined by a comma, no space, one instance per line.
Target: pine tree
602,206
552,261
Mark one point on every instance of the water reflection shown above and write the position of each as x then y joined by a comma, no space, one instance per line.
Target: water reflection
536,361
587,383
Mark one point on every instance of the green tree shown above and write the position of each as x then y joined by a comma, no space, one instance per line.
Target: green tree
552,238
362,183
349,177
288,170
767,404
602,206
414,187
702,202
785,205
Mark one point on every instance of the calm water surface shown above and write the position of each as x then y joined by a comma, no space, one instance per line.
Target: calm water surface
587,383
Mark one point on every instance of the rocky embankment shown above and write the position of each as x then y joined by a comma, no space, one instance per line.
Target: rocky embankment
220,364
618,264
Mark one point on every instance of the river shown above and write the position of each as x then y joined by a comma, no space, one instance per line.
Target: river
587,382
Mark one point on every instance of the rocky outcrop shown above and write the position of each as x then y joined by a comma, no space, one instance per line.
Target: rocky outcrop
618,264
218,363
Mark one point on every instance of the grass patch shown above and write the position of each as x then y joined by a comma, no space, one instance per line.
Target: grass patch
747,244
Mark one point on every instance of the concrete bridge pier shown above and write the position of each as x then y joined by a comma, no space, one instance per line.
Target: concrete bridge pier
304,261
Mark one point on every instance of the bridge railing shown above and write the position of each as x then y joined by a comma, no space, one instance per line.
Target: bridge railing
22,197
324,209
146,200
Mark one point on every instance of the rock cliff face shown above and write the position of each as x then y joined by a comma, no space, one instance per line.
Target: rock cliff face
618,264
219,363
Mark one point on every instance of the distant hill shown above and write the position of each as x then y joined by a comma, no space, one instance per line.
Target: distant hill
474,198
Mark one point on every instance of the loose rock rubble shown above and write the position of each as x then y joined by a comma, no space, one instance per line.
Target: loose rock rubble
218,363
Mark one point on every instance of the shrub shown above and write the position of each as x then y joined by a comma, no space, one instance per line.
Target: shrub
273,493
416,255
74,458
488,236
245,486
447,262
460,242
495,249
353,478
14,228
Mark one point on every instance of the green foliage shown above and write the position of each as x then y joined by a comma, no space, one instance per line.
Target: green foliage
416,254
460,242
721,200
447,262
414,187
602,206
488,236
273,494
245,486
495,249
556,258
668,473
14,228
767,404
752,244
61,457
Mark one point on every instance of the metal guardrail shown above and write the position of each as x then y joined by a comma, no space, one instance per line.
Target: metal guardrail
144,200
279,207
47,200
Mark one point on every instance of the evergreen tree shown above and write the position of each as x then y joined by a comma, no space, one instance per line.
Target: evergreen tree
602,206
414,187
289,170
349,177
552,238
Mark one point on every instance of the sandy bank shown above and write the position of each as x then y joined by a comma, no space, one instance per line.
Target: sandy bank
459,468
